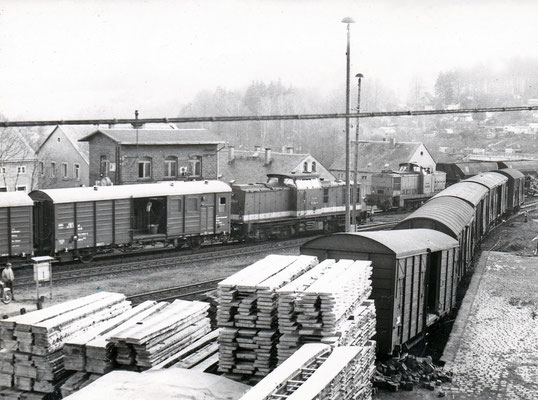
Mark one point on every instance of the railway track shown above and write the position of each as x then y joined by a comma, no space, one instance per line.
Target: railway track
178,292
73,272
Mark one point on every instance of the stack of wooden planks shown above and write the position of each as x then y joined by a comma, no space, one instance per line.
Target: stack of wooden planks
160,335
317,371
33,342
90,352
328,304
247,313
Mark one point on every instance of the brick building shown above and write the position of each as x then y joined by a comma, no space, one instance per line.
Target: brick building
62,162
129,156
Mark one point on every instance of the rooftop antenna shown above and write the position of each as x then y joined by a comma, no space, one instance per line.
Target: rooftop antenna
136,126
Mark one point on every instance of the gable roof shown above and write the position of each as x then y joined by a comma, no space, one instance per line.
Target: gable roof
250,167
374,155
81,148
24,153
157,136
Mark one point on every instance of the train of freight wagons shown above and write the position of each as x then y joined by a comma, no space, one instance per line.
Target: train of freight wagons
416,266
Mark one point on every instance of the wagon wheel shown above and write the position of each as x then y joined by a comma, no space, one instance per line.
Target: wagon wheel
194,243
86,257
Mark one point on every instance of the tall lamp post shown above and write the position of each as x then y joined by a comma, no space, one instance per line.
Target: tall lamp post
356,166
348,21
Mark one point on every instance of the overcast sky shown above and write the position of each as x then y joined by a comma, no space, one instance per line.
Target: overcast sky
93,58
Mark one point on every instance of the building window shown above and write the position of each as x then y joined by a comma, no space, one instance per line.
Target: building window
325,196
222,204
21,189
52,169
179,205
314,167
104,166
170,167
64,170
3,189
144,169
196,166
76,171
41,168
21,169
3,170
305,166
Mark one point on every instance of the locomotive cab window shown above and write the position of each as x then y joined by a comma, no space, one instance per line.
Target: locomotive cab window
222,204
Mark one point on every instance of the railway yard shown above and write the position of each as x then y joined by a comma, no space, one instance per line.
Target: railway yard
490,349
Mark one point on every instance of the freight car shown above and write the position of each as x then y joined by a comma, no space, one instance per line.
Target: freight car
460,171
81,222
407,188
418,265
287,205
15,225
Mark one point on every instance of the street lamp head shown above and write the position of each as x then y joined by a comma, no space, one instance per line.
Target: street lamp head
359,76
348,20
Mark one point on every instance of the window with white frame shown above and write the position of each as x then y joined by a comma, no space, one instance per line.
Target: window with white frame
21,189
314,166
196,166
21,169
3,170
53,169
41,168
144,168
64,171
76,171
104,165
170,167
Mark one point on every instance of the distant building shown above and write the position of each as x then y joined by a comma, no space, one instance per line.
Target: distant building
375,157
150,155
17,162
61,161
242,166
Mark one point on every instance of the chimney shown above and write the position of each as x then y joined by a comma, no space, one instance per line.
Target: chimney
267,155
231,153
289,149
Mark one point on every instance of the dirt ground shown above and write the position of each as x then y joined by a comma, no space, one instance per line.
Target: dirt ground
131,283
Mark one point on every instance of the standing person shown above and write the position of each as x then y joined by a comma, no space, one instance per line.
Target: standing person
8,277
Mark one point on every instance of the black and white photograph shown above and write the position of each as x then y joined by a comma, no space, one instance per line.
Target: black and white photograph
268,199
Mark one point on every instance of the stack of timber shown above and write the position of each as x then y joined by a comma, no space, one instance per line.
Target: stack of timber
90,352
161,335
317,371
247,314
34,341
201,355
328,304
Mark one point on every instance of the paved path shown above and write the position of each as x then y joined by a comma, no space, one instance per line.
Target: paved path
493,348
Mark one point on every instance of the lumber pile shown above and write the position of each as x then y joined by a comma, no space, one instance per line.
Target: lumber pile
328,304
199,355
32,358
160,335
76,382
317,371
90,352
247,313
